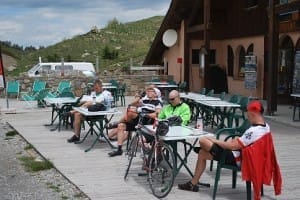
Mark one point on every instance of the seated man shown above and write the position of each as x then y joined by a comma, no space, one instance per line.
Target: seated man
176,108
99,97
211,148
130,119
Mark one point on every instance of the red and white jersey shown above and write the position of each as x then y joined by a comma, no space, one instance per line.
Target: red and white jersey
251,135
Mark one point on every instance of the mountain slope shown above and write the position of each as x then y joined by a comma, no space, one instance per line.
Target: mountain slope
114,45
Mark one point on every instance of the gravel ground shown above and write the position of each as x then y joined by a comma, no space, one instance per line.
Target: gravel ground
17,183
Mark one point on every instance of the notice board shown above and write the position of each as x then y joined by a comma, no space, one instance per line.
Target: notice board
296,77
250,72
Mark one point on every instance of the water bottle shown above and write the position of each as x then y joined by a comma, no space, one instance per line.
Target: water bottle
107,102
94,97
199,123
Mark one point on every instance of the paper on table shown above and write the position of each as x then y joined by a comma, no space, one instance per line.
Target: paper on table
179,131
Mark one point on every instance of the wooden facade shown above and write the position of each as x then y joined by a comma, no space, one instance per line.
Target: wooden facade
229,30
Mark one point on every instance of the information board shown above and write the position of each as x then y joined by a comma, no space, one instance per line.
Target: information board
250,72
296,77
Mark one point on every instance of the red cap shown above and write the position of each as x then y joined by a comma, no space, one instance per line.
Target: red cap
255,106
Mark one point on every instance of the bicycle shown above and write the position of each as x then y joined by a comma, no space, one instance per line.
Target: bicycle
158,157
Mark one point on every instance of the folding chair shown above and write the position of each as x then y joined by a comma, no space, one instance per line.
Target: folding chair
13,88
121,94
63,86
231,131
238,113
39,97
266,167
38,85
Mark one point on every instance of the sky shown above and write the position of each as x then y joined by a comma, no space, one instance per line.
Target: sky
46,22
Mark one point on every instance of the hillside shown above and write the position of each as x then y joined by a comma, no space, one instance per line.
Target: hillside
114,45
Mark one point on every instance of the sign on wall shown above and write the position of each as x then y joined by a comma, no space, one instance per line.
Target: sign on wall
250,72
296,77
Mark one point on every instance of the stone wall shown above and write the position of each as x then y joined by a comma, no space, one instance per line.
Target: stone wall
133,82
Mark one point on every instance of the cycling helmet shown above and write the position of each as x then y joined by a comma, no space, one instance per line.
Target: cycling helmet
162,128
175,121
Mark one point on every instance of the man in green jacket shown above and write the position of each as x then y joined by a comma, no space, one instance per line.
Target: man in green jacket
176,108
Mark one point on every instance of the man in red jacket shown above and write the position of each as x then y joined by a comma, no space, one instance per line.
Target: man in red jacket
211,148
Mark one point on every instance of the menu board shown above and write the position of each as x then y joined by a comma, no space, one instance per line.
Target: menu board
296,78
250,72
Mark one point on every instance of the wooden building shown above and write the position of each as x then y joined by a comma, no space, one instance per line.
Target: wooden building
214,34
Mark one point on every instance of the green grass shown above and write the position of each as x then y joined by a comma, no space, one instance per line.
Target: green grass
11,133
79,195
28,146
64,197
34,166
55,188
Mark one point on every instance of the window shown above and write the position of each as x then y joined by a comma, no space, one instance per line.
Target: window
65,67
45,68
250,50
241,63
195,56
230,58
251,3
212,56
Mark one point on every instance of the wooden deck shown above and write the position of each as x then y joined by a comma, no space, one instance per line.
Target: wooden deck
101,177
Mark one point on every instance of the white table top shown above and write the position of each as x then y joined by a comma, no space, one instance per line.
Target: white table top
196,97
60,100
182,132
156,83
85,112
167,86
109,87
218,103
295,95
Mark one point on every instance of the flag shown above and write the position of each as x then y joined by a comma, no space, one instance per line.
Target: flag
2,78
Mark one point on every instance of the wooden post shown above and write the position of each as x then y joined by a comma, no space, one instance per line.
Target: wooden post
206,35
272,59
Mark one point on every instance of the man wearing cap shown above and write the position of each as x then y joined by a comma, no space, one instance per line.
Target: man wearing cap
211,148
150,103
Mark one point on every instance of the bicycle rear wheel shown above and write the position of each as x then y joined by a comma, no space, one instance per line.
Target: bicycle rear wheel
132,149
162,170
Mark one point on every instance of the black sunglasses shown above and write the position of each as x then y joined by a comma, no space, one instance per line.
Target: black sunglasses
172,99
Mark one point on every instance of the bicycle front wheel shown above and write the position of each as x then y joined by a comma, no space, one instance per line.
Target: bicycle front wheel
131,152
161,170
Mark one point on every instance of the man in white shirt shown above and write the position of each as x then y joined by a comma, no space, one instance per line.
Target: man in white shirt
97,96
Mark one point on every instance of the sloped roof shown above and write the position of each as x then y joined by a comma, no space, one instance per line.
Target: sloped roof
178,10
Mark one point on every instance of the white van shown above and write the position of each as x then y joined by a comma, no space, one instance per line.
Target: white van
57,67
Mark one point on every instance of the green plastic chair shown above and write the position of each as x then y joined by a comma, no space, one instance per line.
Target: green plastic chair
222,95
182,87
233,99
115,92
235,169
63,86
121,93
38,85
217,111
203,91
239,113
155,80
231,131
13,88
39,97
210,92
172,82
